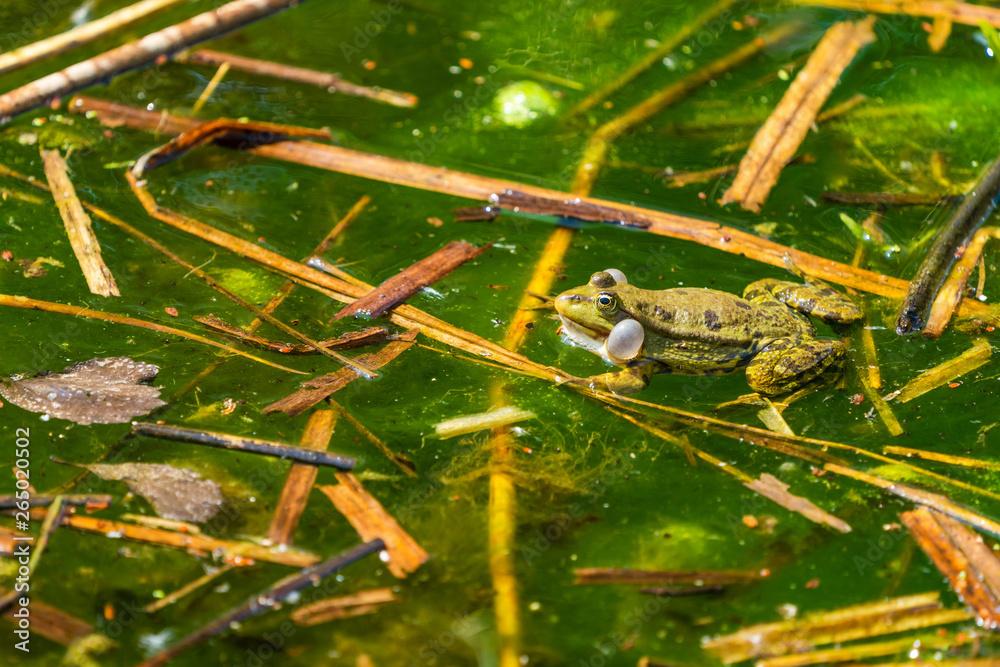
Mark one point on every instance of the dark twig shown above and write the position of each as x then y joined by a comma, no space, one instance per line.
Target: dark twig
253,445
266,600
331,82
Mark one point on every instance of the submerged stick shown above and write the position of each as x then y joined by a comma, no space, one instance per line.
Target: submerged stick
77,311
331,82
266,600
300,479
85,245
782,133
252,445
54,624
82,34
401,460
412,279
139,53
586,576
347,606
346,341
317,389
970,216
189,542
665,48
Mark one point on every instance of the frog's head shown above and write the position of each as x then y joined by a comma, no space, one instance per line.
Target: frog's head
593,318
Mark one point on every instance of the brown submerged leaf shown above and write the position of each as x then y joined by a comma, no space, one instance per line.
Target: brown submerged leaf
102,391
175,493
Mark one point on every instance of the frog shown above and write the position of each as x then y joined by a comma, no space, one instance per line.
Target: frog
700,331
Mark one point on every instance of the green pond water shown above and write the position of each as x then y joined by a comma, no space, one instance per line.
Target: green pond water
597,491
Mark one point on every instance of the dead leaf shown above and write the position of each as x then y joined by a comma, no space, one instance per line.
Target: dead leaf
102,391
175,493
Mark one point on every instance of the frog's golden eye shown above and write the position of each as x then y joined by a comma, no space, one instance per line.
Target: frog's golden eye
606,303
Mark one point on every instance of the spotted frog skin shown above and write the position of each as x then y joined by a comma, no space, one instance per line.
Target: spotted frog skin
695,331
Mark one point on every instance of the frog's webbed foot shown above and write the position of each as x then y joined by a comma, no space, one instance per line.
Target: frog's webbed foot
629,380
787,365
814,298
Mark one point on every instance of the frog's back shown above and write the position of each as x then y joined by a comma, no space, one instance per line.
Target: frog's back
710,317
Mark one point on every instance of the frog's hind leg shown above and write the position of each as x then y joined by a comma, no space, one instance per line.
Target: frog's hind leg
787,365
814,298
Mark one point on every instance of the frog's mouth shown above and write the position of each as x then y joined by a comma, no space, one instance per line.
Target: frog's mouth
589,339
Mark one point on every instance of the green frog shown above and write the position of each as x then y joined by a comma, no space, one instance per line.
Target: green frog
700,331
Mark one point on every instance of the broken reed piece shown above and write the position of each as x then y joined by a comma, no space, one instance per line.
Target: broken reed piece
81,34
957,12
929,645
373,522
770,487
267,600
461,184
103,67
346,606
52,623
927,455
331,82
971,568
346,341
318,388
412,279
977,206
496,418
778,139
588,576
210,87
85,245
90,313
860,621
953,289
300,479
890,198
197,544
240,443
932,378
228,131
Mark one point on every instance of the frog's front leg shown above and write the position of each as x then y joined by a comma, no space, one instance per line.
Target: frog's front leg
789,364
633,378
814,298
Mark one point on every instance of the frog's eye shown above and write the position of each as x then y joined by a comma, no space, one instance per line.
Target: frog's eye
619,277
606,303
625,340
